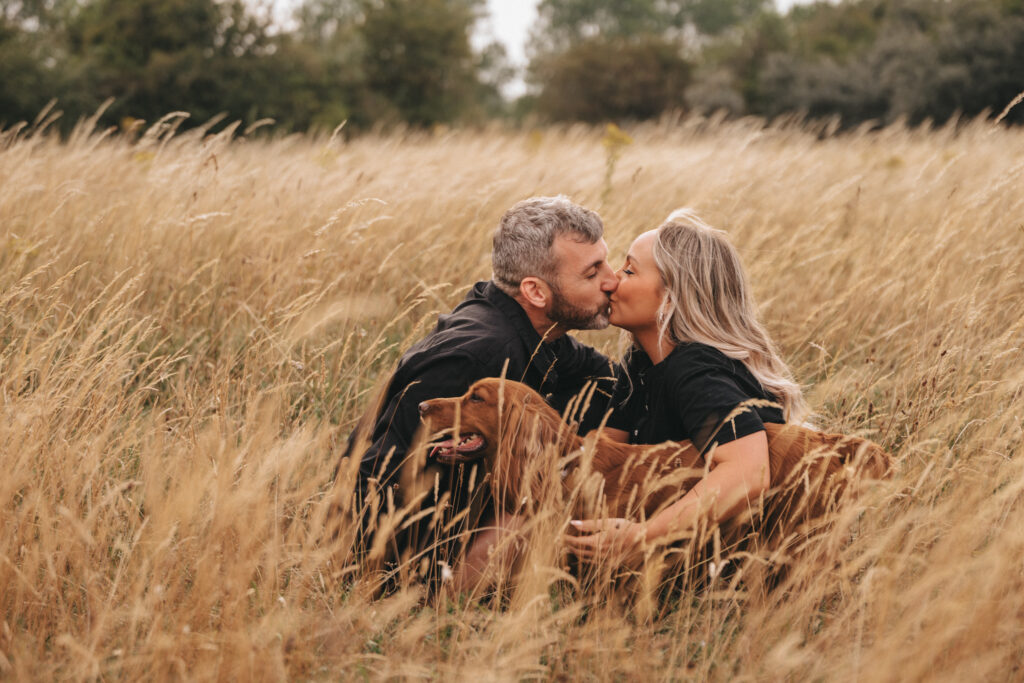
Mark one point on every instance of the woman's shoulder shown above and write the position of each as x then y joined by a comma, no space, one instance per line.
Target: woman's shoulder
704,370
693,358
696,367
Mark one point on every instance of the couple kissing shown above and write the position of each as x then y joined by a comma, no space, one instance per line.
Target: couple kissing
700,368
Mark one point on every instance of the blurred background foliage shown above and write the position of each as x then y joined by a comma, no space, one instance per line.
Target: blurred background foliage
390,62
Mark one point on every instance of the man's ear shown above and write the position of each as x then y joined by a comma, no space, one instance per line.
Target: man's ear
535,292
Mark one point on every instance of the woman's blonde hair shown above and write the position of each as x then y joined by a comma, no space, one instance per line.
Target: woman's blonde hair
708,300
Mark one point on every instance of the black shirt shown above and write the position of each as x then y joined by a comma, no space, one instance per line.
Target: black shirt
486,330
688,396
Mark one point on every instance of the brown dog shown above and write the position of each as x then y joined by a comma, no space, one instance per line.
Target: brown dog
509,430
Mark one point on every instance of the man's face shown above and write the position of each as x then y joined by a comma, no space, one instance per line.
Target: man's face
583,284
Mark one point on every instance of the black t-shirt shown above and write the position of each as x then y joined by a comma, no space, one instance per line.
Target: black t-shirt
690,395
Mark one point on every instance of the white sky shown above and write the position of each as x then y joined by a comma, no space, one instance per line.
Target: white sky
510,23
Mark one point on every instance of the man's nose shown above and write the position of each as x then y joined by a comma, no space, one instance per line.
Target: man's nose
611,281
424,407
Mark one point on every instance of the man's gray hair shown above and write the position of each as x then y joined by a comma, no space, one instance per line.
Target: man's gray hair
522,242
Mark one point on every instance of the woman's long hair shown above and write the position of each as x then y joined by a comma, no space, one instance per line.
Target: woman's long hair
708,300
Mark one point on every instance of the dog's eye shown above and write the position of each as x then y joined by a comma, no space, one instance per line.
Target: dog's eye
476,398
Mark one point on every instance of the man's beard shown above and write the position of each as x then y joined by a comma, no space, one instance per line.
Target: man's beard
575,318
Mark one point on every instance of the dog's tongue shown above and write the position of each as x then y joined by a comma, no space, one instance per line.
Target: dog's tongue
439,447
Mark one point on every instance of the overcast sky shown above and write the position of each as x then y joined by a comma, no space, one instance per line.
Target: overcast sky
510,22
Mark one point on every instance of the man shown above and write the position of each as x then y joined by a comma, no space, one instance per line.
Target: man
551,275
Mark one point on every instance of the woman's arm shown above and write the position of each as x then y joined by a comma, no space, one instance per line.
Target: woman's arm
739,474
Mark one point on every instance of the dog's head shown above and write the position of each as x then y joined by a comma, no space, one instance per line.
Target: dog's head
493,413
509,428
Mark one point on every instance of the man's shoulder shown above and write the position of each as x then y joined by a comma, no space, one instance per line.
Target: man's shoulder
479,328
478,336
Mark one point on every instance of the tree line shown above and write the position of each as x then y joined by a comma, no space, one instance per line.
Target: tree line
374,62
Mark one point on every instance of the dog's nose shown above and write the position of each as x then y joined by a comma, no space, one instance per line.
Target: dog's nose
424,407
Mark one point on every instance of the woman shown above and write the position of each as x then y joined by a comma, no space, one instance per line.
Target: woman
701,368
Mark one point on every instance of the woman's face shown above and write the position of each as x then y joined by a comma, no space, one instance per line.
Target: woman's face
634,305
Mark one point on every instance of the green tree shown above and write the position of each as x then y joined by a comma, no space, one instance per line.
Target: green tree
729,69
713,17
24,81
406,60
418,57
328,23
916,59
157,56
329,33
612,79
564,23
362,60
34,64
615,59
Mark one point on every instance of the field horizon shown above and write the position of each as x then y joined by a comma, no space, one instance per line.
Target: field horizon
192,323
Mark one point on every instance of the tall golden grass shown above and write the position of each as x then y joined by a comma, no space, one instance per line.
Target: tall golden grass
192,322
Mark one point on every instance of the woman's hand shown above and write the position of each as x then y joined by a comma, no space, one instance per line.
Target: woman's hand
739,475
616,539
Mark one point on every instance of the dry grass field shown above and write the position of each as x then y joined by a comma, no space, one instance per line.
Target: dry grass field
190,326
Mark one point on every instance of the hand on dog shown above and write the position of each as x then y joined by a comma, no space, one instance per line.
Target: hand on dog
616,539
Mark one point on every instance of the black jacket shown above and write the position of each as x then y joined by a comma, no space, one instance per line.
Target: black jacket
472,342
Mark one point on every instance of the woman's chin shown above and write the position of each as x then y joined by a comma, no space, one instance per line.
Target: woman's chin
614,321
